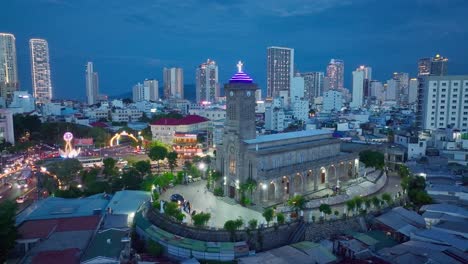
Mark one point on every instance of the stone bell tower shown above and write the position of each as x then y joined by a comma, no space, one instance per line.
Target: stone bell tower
239,126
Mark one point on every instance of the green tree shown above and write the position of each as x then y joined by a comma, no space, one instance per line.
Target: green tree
297,203
172,210
71,192
109,167
325,208
253,224
268,213
157,153
372,159
351,205
172,160
359,201
280,218
143,167
376,202
8,232
367,202
336,213
386,197
66,170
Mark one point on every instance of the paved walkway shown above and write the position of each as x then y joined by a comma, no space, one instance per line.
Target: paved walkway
221,209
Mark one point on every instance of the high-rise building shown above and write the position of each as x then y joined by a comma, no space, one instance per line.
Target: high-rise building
335,74
8,66
361,77
443,102
138,93
297,89
40,70
148,91
377,91
313,85
391,90
332,101
424,66
413,90
92,84
280,70
207,86
173,83
403,85
153,87
439,66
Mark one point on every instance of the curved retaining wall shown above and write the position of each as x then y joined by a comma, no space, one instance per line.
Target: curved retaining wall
259,239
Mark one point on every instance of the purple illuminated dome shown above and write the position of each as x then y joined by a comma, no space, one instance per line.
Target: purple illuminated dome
67,136
240,76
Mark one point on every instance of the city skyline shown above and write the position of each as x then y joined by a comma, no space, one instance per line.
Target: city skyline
125,62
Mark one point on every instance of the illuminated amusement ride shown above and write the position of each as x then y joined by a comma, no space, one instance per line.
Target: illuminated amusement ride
69,151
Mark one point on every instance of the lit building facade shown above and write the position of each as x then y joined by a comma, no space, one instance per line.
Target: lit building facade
280,70
313,85
361,77
439,65
335,74
282,165
332,101
7,132
148,91
207,86
40,70
173,83
152,86
8,66
424,66
444,102
92,84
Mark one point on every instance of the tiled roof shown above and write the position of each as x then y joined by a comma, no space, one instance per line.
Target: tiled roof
69,256
99,124
43,228
187,120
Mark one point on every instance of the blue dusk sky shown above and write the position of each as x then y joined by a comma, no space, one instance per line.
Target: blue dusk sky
130,40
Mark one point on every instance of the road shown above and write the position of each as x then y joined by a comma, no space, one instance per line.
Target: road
12,193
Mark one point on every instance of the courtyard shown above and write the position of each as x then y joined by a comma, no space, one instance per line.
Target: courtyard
221,209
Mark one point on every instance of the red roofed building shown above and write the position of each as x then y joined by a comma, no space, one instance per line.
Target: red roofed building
182,133
165,128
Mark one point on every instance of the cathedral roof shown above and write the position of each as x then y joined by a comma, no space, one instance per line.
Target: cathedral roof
240,76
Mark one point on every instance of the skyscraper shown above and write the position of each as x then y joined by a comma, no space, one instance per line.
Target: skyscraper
424,66
152,86
92,84
313,85
403,85
207,86
335,74
148,91
439,66
8,66
361,77
280,70
40,70
413,90
173,83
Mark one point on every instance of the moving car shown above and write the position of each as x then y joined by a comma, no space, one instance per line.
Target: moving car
20,199
177,198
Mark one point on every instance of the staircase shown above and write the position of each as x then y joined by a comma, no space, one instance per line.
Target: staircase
298,234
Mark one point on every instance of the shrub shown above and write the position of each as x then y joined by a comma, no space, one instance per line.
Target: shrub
218,191
253,223
171,209
280,218
201,219
268,214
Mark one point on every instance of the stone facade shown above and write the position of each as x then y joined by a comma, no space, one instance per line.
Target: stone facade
283,165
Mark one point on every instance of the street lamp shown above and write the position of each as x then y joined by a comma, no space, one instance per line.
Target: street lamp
202,166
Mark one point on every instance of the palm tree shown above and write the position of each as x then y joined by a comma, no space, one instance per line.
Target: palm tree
297,203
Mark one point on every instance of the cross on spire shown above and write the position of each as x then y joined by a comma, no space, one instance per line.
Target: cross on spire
239,66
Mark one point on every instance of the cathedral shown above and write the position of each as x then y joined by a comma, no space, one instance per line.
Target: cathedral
282,165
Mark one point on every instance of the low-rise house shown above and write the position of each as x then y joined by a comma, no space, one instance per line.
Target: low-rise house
400,223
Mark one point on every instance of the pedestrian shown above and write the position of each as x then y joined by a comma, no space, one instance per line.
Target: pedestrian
189,207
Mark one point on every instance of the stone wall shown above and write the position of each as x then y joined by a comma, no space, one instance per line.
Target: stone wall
259,239
327,229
